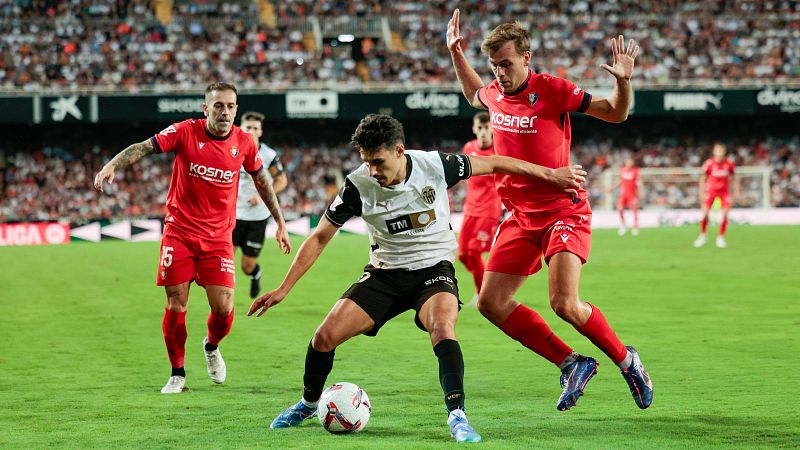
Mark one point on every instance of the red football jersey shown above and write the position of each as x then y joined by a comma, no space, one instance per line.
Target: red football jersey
718,174
205,176
482,198
629,179
532,124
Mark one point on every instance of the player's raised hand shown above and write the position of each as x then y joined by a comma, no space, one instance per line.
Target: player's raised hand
622,58
282,236
453,32
266,302
569,178
105,174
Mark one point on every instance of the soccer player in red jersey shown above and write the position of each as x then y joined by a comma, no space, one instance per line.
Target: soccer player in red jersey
482,207
201,204
715,182
629,184
530,121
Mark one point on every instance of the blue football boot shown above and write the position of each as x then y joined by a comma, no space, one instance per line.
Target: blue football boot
638,381
574,378
293,416
460,428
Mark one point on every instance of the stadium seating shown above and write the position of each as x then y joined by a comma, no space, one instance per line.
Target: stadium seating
56,45
53,184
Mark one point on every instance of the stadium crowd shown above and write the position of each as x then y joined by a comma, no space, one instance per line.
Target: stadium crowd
52,183
78,45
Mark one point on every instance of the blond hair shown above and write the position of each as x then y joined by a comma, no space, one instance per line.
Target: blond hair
507,32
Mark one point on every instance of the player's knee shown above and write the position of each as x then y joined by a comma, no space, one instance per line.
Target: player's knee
442,328
489,306
177,301
323,341
248,266
566,306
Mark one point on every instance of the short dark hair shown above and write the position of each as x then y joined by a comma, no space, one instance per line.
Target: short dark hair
482,117
220,86
252,115
376,131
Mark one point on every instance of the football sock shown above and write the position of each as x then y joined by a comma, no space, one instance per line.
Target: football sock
723,227
174,328
704,225
622,218
178,372
527,326
635,218
256,273
568,360
218,327
474,263
318,366
600,333
625,363
451,373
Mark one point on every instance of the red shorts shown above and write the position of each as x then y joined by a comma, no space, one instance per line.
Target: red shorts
525,237
476,234
724,196
628,201
184,258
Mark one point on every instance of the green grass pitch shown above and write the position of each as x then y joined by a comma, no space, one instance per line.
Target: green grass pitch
83,359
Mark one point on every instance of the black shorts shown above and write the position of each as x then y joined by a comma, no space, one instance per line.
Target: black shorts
249,235
386,293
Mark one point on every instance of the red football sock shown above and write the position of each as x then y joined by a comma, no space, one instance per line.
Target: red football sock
704,225
622,218
474,263
723,227
635,218
600,333
174,327
527,326
218,327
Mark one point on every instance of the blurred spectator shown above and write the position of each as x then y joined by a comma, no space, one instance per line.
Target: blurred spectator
77,45
52,183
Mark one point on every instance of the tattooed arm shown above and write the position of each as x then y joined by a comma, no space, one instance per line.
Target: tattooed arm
125,158
267,193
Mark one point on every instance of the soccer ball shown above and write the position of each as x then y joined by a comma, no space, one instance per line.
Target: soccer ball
344,408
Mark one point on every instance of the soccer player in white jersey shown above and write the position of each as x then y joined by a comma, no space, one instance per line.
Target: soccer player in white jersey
252,214
402,196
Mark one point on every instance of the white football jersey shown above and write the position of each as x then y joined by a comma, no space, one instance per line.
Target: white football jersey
408,223
247,188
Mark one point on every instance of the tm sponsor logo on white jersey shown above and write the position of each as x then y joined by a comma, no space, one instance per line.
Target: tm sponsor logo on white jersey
211,173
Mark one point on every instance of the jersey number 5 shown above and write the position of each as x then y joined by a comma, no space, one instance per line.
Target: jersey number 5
166,256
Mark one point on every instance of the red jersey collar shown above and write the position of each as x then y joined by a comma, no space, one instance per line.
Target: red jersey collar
215,137
522,87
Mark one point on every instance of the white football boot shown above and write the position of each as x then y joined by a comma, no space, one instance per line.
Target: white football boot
721,242
700,241
216,365
174,385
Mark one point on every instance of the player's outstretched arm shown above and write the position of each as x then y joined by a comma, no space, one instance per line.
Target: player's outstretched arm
567,178
305,258
615,108
267,193
469,79
125,158
279,182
